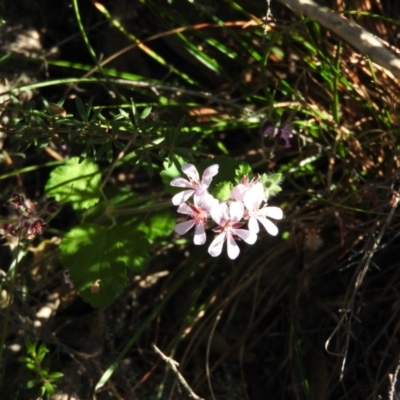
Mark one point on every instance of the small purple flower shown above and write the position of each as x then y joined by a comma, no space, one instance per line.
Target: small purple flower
195,186
278,135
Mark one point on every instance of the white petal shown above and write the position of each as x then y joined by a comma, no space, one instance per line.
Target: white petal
238,191
181,197
219,213
253,225
184,209
247,236
184,227
209,173
207,201
272,212
180,182
215,247
190,171
269,226
233,248
253,198
236,210
199,235
201,191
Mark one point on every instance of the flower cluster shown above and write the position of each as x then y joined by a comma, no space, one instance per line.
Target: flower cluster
247,203
27,223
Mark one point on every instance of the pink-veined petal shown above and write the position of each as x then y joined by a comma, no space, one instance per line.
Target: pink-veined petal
184,209
232,247
269,226
236,210
181,182
253,225
201,191
272,212
181,197
219,213
184,227
209,173
199,234
247,236
191,172
216,245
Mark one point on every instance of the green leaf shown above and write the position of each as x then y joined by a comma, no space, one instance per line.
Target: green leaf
24,359
32,383
158,225
101,256
185,137
170,171
81,109
42,352
50,389
243,170
222,191
227,168
275,178
76,182
54,376
145,113
271,184
133,108
31,365
149,163
272,191
43,373
30,346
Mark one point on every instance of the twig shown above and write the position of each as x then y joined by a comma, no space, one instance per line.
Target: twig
366,43
392,388
268,17
174,366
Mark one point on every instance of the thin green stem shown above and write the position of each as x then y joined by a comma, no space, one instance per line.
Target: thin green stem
90,48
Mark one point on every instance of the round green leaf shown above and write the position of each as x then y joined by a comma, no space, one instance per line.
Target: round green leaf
78,183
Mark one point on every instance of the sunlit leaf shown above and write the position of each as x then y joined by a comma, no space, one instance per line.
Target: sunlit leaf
243,170
158,225
98,259
78,183
171,171
222,191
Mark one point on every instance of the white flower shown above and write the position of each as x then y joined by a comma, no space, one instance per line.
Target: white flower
228,220
196,186
247,189
199,213
256,214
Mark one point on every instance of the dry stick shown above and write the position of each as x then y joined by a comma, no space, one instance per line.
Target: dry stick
365,43
392,388
174,364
